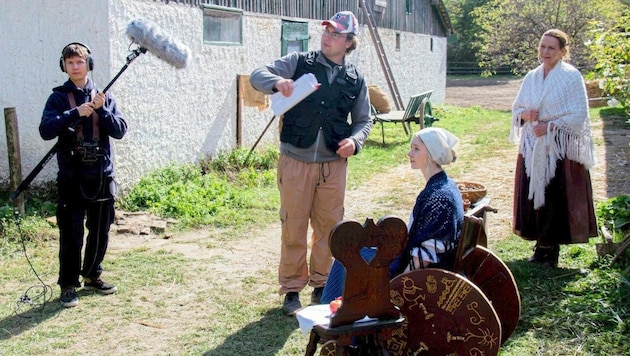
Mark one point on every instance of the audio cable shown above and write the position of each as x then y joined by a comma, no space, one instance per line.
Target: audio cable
35,296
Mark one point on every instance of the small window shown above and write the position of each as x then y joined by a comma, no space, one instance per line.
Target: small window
380,6
294,37
409,7
222,25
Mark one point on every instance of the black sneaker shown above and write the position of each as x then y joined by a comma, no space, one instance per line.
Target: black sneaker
316,296
69,297
291,303
99,285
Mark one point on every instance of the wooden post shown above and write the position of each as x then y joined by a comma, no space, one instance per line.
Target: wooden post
13,151
239,112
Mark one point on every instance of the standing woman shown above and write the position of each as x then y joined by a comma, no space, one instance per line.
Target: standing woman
553,198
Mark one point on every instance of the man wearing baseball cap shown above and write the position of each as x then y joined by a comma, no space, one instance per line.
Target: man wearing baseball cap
317,137
343,22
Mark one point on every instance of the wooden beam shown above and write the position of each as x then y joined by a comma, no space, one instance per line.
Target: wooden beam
13,152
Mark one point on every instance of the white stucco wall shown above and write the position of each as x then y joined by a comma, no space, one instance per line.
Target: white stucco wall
416,67
33,34
174,115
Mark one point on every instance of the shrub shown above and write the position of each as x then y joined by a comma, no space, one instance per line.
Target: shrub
216,191
614,214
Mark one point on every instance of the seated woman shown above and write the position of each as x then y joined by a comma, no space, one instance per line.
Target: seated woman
435,223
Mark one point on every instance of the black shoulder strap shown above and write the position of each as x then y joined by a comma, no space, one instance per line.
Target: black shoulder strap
305,60
79,128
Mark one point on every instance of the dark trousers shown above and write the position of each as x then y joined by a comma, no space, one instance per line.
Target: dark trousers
93,203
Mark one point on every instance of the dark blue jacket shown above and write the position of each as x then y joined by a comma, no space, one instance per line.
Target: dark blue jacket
57,121
439,215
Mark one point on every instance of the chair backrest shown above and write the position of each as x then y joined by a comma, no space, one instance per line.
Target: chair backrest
414,104
472,231
366,287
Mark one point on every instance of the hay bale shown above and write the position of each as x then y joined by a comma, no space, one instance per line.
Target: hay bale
595,94
379,99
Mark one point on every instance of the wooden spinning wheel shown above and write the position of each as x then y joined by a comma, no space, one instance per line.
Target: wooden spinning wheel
445,314
483,268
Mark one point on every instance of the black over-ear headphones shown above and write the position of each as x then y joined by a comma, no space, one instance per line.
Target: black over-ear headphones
90,61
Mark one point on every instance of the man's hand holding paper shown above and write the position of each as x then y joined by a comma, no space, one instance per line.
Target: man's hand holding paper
290,93
284,87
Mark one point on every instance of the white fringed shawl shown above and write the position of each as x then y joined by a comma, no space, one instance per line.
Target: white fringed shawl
561,100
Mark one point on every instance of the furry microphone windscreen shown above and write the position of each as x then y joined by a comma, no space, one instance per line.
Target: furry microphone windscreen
149,35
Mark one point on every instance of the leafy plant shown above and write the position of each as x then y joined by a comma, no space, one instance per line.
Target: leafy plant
228,190
234,161
39,204
614,213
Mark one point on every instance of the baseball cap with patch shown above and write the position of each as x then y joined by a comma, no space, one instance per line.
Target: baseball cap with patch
343,22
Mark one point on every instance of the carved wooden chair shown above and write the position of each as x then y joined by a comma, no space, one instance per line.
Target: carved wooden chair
366,291
480,210
471,308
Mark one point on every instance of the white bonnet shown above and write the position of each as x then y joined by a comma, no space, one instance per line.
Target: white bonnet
440,144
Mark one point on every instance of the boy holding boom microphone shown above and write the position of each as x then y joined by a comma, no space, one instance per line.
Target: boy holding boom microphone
83,120
316,140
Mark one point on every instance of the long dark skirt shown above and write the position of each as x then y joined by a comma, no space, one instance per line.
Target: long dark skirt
568,215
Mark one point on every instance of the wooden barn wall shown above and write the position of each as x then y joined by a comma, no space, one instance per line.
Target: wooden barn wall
424,18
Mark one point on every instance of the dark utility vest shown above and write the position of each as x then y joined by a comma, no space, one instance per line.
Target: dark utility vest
327,107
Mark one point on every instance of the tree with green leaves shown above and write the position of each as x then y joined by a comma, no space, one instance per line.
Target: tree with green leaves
462,46
611,51
509,30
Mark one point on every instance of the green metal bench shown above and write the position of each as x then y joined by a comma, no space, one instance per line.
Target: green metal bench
418,110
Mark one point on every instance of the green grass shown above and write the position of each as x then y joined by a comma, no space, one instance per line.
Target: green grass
579,309
180,303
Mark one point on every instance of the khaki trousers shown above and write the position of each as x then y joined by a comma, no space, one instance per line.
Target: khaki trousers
309,192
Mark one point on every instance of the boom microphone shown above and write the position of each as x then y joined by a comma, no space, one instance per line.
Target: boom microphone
149,35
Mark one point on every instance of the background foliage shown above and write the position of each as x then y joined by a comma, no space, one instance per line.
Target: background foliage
496,34
611,51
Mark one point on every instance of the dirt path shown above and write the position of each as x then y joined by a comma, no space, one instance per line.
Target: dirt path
496,94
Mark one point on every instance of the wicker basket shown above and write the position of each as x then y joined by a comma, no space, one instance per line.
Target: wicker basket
472,191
